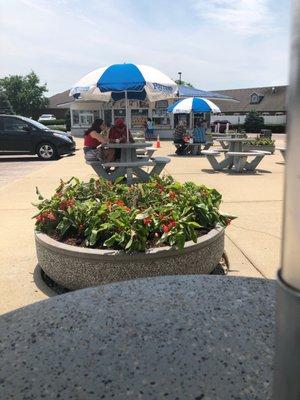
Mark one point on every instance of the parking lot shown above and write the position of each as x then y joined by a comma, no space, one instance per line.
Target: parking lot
15,167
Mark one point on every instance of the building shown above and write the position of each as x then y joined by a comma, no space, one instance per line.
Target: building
269,101
84,112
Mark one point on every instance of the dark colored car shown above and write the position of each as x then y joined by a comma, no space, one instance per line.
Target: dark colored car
21,135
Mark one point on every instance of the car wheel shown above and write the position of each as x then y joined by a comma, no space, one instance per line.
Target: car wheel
47,151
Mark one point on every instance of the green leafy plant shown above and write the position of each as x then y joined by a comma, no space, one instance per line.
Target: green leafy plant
102,214
53,122
262,142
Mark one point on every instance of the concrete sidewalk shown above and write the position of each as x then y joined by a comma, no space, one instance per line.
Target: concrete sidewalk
252,242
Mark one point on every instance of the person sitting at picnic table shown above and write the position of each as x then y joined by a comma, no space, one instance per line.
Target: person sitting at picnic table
180,137
94,137
118,134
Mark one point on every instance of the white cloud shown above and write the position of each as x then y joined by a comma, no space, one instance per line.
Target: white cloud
246,17
63,40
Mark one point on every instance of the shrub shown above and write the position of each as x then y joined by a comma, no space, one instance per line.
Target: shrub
276,128
54,122
101,214
254,122
262,142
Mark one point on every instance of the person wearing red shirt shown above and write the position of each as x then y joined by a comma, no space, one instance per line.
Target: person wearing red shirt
118,134
94,136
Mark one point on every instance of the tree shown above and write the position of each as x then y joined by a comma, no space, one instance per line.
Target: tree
254,122
25,94
183,83
5,106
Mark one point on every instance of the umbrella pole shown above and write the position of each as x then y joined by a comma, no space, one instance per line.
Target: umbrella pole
287,360
126,115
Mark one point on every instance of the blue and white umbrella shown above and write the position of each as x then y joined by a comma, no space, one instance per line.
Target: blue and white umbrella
125,81
193,105
118,81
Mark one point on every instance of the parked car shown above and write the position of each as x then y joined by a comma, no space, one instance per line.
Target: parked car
21,135
46,117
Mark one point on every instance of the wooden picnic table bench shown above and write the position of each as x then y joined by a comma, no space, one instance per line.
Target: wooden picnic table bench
235,160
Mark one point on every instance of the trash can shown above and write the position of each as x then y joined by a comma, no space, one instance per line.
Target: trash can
266,133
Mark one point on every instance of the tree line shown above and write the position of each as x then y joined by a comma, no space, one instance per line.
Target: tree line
23,95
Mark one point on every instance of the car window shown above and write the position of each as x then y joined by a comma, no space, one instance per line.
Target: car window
1,124
14,124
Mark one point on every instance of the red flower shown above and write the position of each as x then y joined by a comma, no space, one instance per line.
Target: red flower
120,203
127,209
228,222
147,221
160,187
66,203
166,228
47,215
162,217
172,224
172,195
51,216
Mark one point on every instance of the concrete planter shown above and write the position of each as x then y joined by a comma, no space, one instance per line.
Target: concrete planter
270,148
76,267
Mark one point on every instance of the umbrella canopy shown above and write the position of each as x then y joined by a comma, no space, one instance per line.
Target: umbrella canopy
193,104
125,81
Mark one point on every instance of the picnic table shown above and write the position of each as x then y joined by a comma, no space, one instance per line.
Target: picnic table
235,157
194,148
130,163
282,151
232,143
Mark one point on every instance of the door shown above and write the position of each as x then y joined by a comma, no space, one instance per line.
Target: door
14,136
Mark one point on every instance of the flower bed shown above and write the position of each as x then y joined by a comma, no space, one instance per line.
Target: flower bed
100,232
100,214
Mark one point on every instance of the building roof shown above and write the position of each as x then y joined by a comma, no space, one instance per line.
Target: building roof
273,99
59,99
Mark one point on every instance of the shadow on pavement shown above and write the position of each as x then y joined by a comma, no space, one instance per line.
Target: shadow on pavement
257,172
41,285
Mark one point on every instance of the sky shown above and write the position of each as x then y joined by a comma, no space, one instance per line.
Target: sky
216,44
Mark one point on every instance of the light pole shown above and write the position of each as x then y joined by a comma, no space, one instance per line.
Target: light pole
179,73
287,361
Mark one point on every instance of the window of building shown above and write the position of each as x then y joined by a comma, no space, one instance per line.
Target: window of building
254,98
84,117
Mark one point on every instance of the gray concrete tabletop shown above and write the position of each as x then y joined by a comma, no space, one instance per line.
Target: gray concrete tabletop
173,337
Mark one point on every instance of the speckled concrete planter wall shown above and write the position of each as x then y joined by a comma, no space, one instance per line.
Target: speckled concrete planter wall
76,267
270,148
